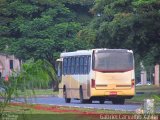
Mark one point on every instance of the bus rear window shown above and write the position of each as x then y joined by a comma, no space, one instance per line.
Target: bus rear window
113,61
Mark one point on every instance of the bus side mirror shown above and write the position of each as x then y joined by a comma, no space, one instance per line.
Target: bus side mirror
59,71
59,68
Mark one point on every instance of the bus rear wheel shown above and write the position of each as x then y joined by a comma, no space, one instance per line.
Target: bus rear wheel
89,101
101,101
119,101
81,95
67,100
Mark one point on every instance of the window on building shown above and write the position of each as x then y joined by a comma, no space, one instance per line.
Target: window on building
11,64
85,64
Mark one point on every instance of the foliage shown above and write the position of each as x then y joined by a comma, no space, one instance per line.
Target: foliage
36,73
128,24
87,36
33,74
132,24
42,28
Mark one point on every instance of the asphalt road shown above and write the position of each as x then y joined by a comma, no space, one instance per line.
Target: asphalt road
76,103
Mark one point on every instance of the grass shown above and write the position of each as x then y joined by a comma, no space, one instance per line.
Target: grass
22,113
148,89
26,113
29,112
149,92
140,98
37,92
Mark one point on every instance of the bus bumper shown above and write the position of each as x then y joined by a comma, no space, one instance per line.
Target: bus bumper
128,93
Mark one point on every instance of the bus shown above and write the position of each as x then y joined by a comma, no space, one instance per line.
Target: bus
97,75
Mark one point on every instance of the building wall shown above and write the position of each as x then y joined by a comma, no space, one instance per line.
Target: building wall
157,75
5,65
143,77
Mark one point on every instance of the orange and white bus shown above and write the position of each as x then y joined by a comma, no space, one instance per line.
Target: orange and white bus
97,74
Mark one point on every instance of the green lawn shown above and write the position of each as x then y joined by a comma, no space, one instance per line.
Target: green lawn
148,89
149,92
25,113
37,92
30,112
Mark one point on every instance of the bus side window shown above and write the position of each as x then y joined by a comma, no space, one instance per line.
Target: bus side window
88,65
69,65
77,65
81,65
72,65
64,66
85,64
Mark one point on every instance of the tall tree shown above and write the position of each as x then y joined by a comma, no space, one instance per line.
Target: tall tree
42,28
132,24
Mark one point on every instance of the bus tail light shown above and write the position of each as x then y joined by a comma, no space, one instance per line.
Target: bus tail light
93,83
132,83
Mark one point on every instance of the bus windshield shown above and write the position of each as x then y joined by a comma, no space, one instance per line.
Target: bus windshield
113,61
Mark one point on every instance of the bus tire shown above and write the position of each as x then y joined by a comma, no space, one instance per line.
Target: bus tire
89,101
101,101
81,95
119,101
67,100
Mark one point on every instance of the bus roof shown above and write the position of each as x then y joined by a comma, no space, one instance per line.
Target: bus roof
78,52
89,52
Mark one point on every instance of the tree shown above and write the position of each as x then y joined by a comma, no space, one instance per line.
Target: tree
128,24
148,13
42,28
131,24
